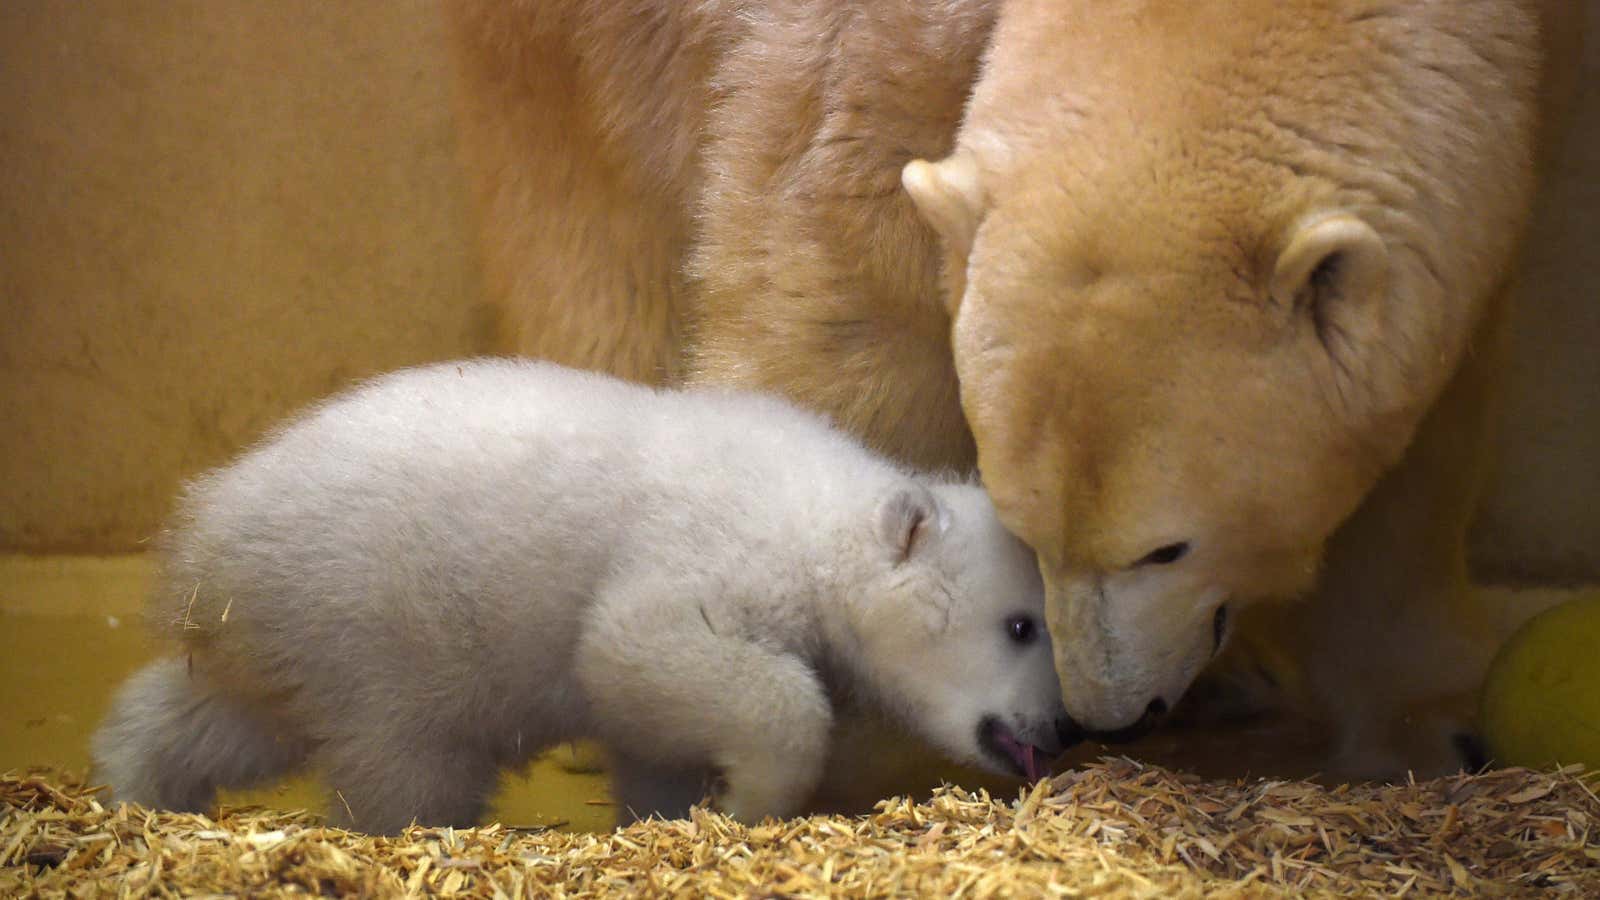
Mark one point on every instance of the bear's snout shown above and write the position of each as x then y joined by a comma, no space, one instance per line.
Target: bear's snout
1153,713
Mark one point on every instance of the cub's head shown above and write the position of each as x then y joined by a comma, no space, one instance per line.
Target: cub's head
950,631
1204,290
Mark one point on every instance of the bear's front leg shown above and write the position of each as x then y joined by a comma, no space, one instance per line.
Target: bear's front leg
666,689
1395,643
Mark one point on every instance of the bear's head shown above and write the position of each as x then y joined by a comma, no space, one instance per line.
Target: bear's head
947,630
1209,265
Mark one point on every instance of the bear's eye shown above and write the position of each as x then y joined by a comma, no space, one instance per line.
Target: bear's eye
1161,556
1022,629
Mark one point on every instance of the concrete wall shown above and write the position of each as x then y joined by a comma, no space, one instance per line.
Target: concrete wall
211,212
1541,519
214,211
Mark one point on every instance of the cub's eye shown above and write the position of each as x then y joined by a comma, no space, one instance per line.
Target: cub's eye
1161,556
1022,629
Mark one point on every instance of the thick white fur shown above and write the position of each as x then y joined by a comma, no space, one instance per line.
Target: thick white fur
452,568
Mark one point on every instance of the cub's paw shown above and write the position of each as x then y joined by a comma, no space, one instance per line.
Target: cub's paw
749,793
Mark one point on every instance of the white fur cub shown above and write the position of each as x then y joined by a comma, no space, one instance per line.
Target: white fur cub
454,567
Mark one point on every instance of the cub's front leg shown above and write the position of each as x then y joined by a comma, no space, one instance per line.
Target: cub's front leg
670,693
643,788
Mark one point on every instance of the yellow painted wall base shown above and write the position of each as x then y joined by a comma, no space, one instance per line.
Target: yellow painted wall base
70,632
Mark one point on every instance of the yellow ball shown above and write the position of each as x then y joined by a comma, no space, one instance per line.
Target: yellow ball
1541,700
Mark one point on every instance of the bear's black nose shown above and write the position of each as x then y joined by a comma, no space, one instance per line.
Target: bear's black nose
1068,731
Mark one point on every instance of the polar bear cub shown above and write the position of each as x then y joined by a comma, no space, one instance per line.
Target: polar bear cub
454,567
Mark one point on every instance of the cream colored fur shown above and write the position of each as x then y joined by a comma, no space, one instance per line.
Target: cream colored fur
455,567
1217,275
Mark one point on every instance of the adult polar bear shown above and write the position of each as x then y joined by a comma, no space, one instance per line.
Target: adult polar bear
1200,297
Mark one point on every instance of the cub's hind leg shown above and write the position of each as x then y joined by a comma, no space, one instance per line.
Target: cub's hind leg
172,739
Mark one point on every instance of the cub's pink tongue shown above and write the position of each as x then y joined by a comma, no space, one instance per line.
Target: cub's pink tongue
1022,753
1029,764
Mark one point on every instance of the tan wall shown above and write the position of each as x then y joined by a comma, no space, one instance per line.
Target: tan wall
212,212
1540,521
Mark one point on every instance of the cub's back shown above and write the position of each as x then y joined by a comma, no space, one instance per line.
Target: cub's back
495,482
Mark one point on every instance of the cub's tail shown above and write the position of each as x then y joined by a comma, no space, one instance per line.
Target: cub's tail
170,741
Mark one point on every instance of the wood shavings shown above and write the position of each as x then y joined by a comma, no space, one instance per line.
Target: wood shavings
1112,829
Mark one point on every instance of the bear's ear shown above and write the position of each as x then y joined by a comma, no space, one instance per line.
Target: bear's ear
949,197
907,519
1329,266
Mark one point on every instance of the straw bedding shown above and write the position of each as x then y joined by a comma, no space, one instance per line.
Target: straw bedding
1112,829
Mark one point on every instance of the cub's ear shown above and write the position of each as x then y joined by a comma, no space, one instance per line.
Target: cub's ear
949,197
907,519
1330,264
